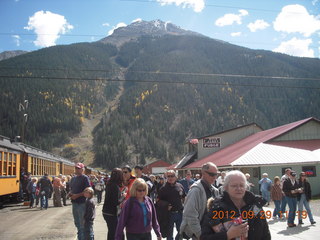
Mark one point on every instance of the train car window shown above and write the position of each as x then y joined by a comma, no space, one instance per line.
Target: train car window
10,165
14,164
1,153
32,166
5,159
37,167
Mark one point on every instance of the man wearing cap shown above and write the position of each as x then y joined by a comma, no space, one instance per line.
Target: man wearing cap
284,200
78,184
291,190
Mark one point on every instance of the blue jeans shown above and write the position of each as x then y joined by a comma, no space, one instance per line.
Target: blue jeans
78,211
44,201
276,210
32,198
175,218
303,201
88,230
292,203
283,204
266,195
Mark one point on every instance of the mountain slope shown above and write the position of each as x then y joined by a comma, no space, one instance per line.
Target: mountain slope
167,85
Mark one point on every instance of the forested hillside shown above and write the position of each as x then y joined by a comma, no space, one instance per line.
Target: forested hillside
176,87
55,106
173,94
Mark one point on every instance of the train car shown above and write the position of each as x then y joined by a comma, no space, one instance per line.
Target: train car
38,162
66,167
10,158
15,156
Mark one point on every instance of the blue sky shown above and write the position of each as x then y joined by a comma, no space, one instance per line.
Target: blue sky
287,26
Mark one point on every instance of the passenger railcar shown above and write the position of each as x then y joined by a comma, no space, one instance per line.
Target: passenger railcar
16,155
10,155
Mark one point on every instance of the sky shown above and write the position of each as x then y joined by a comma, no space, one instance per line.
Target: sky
287,26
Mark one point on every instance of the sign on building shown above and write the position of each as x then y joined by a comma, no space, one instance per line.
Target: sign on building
213,142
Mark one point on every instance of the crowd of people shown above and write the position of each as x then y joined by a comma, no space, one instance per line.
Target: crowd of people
210,205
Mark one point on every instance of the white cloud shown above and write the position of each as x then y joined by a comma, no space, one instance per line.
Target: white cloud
197,5
16,39
314,2
137,20
105,24
235,34
121,24
48,26
258,25
296,47
296,19
230,18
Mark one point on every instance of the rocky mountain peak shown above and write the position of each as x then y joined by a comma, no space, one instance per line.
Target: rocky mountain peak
10,54
145,28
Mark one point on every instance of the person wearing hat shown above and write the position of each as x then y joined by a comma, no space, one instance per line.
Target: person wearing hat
304,198
78,184
291,190
265,188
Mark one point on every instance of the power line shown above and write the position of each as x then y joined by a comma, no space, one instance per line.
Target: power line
53,34
214,5
155,81
168,73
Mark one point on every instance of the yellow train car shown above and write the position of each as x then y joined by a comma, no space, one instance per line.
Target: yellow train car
10,158
39,162
16,155
66,167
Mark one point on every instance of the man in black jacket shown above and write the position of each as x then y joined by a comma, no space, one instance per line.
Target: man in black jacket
45,190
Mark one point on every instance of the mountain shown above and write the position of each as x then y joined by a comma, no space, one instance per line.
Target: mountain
10,54
152,86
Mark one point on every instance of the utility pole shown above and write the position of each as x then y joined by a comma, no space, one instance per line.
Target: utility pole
23,107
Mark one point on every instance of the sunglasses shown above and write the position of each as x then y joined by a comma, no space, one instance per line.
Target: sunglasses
211,174
171,176
141,190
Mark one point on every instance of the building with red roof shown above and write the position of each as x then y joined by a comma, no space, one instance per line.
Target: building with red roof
156,167
295,145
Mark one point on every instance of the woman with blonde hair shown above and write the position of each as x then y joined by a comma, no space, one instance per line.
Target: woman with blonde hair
138,214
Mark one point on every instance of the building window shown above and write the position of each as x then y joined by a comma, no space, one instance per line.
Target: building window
310,171
256,172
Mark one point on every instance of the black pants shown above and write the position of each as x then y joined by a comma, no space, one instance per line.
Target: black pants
112,222
138,236
99,196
